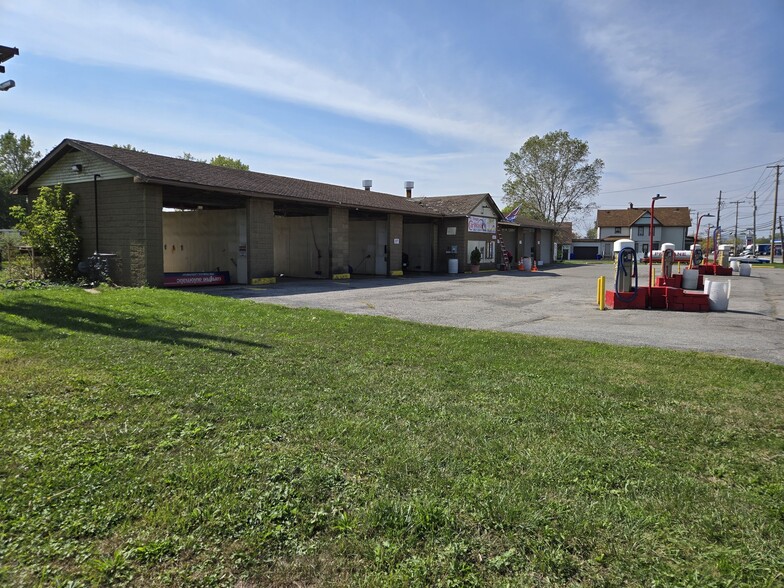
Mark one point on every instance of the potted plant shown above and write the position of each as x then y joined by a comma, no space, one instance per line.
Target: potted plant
476,257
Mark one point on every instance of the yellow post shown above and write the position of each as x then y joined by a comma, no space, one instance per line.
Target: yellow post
600,292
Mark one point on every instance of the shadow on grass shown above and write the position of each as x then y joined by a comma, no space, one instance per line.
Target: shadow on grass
109,324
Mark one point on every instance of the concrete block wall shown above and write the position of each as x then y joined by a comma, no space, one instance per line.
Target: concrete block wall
338,241
261,251
130,226
395,250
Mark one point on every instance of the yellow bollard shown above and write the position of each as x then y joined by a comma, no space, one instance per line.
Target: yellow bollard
600,292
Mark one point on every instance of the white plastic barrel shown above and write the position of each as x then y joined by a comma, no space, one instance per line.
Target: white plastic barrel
690,279
527,264
735,265
452,267
718,295
745,269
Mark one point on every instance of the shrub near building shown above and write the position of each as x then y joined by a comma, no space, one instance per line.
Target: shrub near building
50,228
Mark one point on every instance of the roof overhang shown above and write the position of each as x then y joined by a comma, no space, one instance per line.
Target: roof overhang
66,146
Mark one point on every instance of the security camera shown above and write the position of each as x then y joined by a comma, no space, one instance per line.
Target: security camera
7,85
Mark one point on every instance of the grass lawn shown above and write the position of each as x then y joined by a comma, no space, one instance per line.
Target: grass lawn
161,438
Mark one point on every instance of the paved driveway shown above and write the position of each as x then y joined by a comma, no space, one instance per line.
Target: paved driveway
556,302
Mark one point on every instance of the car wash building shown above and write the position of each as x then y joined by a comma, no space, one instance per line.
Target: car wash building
168,221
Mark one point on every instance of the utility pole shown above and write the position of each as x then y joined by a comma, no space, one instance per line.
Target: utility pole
754,226
718,212
735,240
775,206
781,238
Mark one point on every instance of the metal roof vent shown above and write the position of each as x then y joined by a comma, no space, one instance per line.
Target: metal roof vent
409,186
367,184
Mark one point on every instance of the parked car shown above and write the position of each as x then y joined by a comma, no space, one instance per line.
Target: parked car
749,259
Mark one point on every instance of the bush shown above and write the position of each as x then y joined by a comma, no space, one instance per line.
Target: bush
50,228
10,241
15,265
476,256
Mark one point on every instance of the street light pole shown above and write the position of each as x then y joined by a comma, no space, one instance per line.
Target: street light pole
650,246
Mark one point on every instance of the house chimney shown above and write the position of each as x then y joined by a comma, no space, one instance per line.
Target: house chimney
631,204
366,184
409,186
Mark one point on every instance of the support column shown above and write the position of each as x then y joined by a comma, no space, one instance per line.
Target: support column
435,252
538,244
395,244
338,243
153,207
261,242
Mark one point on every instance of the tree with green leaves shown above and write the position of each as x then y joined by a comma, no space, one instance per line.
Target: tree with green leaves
129,147
50,228
551,177
189,157
219,160
223,161
17,157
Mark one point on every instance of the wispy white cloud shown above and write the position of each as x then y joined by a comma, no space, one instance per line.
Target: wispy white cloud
685,82
678,91
687,97
120,34
170,131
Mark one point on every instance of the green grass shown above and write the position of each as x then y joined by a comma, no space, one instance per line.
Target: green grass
162,438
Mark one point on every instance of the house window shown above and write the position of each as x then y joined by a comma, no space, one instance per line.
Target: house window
617,230
640,231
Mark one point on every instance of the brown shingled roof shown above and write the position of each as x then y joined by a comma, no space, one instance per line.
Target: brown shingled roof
172,171
459,205
668,216
159,169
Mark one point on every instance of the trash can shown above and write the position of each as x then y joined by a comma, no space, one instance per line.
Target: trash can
690,279
452,266
718,295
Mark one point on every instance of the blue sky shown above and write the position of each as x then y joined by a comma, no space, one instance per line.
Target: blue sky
436,92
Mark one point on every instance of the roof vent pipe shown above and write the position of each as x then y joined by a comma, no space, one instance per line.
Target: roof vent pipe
367,184
409,186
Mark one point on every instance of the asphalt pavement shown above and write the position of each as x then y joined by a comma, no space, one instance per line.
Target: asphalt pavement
559,301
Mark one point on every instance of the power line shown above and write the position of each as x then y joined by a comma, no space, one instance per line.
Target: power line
692,179
757,183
